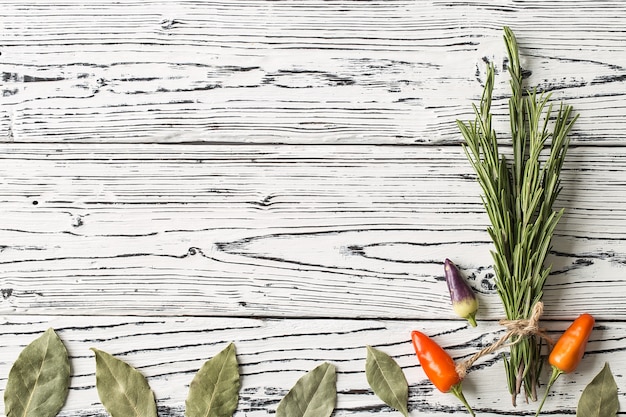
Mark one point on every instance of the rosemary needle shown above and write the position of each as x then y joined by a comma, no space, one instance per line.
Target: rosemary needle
518,196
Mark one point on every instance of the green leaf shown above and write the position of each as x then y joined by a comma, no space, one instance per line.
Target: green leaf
314,395
39,379
124,392
387,380
599,398
214,391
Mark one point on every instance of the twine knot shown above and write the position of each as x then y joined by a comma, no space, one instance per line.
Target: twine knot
525,327
520,328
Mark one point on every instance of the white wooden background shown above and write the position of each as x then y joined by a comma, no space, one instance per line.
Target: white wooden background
288,176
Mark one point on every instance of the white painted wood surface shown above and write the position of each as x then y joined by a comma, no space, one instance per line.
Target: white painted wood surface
287,175
273,354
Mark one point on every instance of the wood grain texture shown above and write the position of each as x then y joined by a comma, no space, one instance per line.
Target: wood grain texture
273,354
287,175
280,231
392,71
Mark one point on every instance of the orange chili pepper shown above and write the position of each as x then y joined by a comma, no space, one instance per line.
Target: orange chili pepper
438,366
569,350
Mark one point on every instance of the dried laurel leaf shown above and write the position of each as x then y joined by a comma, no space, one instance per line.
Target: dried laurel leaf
214,391
39,379
599,398
387,380
124,392
313,395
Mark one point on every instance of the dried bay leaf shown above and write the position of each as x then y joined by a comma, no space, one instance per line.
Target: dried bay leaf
124,391
39,379
387,380
214,391
599,398
313,395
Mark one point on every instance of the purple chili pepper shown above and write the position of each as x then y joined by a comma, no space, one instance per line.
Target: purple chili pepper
464,301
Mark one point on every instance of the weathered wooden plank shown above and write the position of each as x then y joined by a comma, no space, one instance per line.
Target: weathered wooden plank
282,230
159,253
273,354
295,71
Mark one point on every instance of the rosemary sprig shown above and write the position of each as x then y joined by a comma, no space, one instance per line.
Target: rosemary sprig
518,196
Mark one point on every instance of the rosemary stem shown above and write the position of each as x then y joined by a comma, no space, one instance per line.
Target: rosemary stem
518,195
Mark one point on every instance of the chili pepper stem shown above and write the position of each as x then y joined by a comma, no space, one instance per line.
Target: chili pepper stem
556,372
457,390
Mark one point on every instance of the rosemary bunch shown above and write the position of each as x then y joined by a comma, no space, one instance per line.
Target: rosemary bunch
518,197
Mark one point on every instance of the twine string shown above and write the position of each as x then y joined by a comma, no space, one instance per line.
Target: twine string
520,328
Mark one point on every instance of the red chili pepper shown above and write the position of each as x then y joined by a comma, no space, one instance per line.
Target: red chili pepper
438,366
569,350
